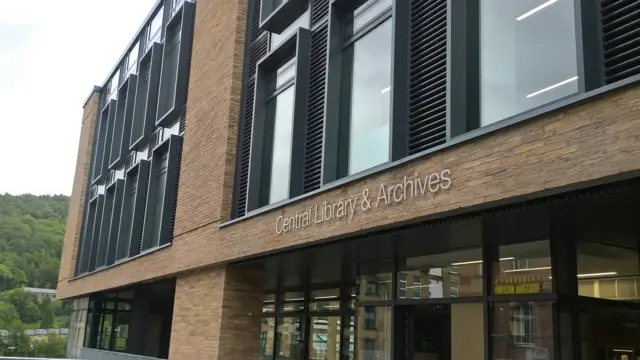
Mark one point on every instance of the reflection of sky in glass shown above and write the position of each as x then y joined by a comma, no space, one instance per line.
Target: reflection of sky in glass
368,11
281,158
370,98
520,58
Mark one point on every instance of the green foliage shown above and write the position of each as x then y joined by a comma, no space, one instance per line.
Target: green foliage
31,237
51,347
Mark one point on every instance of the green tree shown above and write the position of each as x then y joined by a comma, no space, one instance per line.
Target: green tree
8,315
46,312
52,347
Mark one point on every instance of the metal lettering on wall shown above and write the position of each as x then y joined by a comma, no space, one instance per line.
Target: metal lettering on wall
405,189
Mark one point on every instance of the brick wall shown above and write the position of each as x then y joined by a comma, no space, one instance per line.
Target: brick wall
216,315
78,192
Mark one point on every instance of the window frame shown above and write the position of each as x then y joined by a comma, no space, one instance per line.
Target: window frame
277,19
336,142
297,47
464,64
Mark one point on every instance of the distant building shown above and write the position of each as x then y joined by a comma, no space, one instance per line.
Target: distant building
42,293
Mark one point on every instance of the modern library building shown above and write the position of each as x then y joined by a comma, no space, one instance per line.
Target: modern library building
362,180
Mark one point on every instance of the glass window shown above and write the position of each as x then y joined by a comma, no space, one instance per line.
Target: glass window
523,268
282,108
301,22
374,283
522,330
290,340
370,63
367,12
266,338
432,276
325,300
113,85
528,55
325,338
154,30
373,333
132,60
608,271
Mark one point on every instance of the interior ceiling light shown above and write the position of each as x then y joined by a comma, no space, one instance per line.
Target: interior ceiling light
529,269
553,86
479,261
535,10
610,273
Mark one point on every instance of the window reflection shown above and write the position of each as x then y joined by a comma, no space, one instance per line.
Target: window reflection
370,99
325,338
522,330
608,271
523,269
266,338
290,341
282,108
375,281
453,274
528,58
369,11
373,333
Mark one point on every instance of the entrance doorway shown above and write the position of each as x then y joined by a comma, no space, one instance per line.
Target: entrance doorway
427,332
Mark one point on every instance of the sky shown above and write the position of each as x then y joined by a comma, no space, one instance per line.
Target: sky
52,53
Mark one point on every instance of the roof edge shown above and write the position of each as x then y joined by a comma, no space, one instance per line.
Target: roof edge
96,89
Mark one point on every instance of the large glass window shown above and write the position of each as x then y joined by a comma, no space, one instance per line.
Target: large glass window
375,281
113,85
290,341
522,330
528,55
373,333
266,338
523,268
279,109
608,271
154,30
282,138
369,60
132,60
438,275
325,338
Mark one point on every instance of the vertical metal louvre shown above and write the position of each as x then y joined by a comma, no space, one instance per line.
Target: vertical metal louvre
256,51
315,121
319,11
137,235
174,201
428,75
621,38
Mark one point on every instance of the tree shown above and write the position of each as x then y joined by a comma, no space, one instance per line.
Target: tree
46,312
52,347
8,315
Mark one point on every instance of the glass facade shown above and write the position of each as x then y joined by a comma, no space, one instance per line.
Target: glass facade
528,55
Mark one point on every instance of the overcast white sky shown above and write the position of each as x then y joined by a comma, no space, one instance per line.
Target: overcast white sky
52,53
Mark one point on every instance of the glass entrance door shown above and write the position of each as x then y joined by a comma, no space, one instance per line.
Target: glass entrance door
427,332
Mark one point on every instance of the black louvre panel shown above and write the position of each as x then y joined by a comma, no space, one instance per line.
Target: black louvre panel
174,201
254,21
136,236
315,120
621,38
257,51
245,150
428,75
319,11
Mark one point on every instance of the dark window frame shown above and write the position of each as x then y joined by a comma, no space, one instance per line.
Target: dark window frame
279,18
339,78
297,47
171,95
